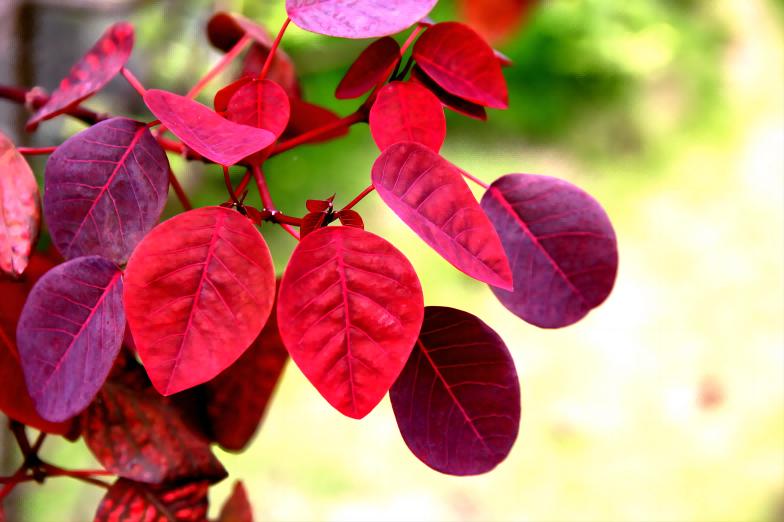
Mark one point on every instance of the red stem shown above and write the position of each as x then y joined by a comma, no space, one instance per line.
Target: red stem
224,62
33,151
18,95
475,179
178,190
229,186
266,198
418,29
273,49
359,198
134,81
83,475
351,119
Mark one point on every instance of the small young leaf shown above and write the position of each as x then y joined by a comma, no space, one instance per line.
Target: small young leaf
129,501
349,311
20,209
407,112
237,507
312,222
562,246
457,401
90,74
105,188
199,289
350,218
69,334
450,101
374,65
429,194
365,19
308,116
262,104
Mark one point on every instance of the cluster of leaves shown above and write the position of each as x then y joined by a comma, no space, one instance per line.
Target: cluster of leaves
153,340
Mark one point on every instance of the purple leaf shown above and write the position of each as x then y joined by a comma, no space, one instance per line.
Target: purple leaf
561,244
105,188
69,334
457,401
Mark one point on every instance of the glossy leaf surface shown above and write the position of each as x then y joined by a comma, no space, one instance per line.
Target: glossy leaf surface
129,501
429,194
262,104
237,507
407,112
105,188
349,311
562,246
457,402
450,101
373,65
199,289
69,333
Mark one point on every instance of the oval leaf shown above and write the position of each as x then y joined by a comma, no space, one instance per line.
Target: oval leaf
90,74
20,209
199,288
105,188
349,311
69,334
457,401
461,62
373,66
262,104
562,244
450,101
130,501
407,112
237,507
430,196
205,131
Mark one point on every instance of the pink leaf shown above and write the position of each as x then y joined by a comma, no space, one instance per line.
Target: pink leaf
407,112
262,104
374,65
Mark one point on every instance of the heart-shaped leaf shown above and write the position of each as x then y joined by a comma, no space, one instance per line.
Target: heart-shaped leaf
461,62
20,209
237,507
90,74
365,19
407,112
105,188
457,401
373,65
205,131
450,101
69,333
130,501
562,246
349,311
199,289
308,116
429,194
262,104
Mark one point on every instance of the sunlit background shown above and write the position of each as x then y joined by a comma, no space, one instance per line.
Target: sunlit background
665,404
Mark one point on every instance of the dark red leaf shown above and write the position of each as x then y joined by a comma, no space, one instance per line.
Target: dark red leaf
307,116
457,401
365,19
237,508
562,246
129,501
105,188
69,334
205,131
311,222
374,65
282,70
407,112
20,209
199,289
351,218
349,311
319,205
90,74
262,104
224,30
429,194
450,101
496,20
224,95
461,62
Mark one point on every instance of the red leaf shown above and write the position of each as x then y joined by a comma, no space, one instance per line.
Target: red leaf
457,402
562,244
282,70
366,19
496,20
224,30
319,205
129,501
312,222
237,508
204,131
350,218
374,65
407,112
349,311
90,74
224,95
199,288
20,209
461,62
429,194
307,116
450,101
262,104
105,189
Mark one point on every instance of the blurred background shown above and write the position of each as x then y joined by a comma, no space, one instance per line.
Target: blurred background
665,404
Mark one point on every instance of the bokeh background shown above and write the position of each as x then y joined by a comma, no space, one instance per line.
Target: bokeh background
665,404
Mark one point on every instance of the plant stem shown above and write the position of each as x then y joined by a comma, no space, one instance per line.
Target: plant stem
134,81
175,184
33,151
216,69
351,119
20,96
83,475
266,198
273,49
475,179
229,186
359,198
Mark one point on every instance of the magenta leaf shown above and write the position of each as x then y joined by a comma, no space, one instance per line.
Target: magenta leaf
262,104
373,66
90,74
457,401
429,194
562,246
349,312
69,334
357,19
407,112
205,131
105,188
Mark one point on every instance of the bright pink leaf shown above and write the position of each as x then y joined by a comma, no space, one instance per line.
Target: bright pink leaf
199,289
237,507
205,131
461,62
20,209
349,312
105,188
429,194
562,246
373,66
308,116
450,101
129,501
365,19
407,112
69,334
262,104
457,401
